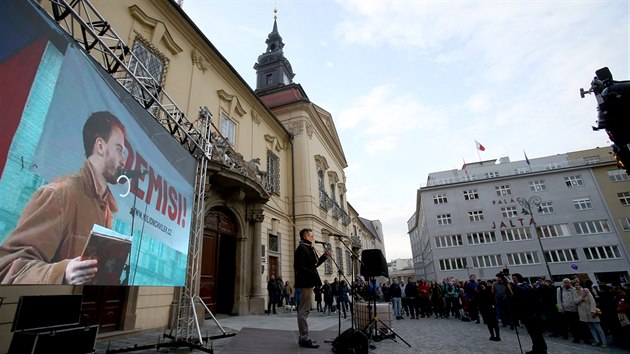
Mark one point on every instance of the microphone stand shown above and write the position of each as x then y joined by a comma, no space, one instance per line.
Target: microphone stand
360,342
134,182
328,246
373,318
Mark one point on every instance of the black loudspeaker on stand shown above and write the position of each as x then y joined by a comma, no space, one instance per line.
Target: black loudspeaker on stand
373,265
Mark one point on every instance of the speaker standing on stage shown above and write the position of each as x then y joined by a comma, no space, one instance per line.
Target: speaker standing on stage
305,263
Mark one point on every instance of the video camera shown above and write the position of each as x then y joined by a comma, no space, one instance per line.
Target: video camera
505,273
613,107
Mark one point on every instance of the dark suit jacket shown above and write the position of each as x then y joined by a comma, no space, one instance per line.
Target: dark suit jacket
305,263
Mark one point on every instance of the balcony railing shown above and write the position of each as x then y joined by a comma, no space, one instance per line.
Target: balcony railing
325,202
345,218
336,211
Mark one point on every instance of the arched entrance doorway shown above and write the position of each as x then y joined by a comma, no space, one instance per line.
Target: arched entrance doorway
218,261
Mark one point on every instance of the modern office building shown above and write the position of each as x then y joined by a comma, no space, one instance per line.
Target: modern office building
561,216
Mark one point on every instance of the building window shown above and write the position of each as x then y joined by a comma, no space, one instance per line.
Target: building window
328,266
553,166
625,224
521,170
228,129
339,252
523,258
269,79
453,263
574,181
273,243
546,208
475,215
537,186
439,198
479,238
618,176
589,160
448,241
471,194
591,227
444,219
547,231
503,190
154,66
624,198
489,261
320,180
582,204
509,212
518,234
273,173
602,252
333,195
348,262
561,256
492,174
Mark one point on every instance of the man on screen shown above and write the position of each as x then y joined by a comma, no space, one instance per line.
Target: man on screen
46,245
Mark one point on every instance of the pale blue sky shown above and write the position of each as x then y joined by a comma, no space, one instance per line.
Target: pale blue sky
412,84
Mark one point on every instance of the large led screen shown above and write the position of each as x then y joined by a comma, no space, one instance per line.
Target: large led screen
93,190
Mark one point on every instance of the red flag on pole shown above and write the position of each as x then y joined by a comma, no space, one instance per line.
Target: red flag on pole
479,146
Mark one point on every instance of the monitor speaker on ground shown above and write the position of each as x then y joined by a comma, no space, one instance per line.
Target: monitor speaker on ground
350,341
373,263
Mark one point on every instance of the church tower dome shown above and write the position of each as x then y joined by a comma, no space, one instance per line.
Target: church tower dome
272,68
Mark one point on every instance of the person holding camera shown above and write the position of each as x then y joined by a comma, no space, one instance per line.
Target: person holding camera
503,299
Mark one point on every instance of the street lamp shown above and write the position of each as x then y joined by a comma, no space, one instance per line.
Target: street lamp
526,205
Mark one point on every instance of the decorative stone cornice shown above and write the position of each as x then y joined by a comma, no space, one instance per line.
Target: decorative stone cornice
256,117
199,61
309,130
295,128
321,163
273,143
255,215
159,31
231,103
333,176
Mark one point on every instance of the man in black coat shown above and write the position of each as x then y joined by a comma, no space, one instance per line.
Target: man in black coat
305,263
526,309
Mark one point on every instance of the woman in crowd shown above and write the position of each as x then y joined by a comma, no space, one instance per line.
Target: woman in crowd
587,312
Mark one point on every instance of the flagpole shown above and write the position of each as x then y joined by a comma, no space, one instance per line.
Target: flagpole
478,154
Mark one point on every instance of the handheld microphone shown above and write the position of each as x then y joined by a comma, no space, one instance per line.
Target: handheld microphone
322,242
134,173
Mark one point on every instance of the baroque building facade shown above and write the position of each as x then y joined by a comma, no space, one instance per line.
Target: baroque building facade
561,216
277,166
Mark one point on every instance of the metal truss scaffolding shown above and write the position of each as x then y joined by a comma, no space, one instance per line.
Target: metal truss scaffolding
99,41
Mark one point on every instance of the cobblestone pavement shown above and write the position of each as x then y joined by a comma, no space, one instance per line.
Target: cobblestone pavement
424,335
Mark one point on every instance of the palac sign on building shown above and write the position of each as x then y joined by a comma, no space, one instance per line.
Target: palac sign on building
511,223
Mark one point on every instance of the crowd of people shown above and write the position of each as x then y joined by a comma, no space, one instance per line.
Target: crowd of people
577,309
